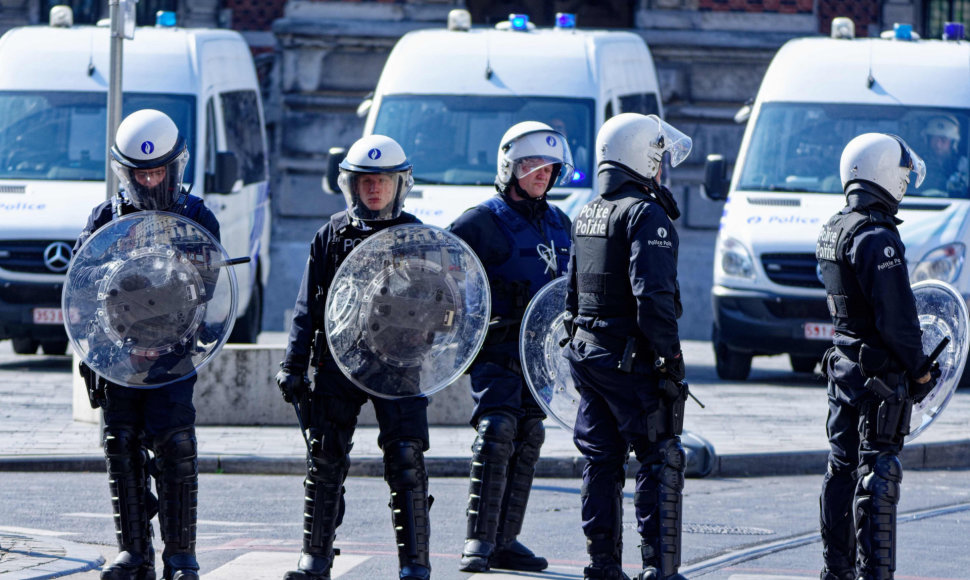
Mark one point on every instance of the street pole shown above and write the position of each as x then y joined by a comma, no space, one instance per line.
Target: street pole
122,26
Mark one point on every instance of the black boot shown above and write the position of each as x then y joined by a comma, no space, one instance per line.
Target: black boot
509,553
877,495
323,510
486,489
659,505
128,481
605,558
410,503
177,483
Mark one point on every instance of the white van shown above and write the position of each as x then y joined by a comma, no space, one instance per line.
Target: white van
53,98
447,96
817,94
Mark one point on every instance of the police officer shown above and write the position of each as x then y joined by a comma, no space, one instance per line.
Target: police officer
946,168
523,242
149,156
622,306
876,368
375,177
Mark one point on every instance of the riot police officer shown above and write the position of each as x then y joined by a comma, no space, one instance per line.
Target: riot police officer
149,156
375,177
622,304
876,367
523,242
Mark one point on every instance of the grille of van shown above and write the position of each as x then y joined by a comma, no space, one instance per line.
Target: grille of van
792,269
25,256
799,309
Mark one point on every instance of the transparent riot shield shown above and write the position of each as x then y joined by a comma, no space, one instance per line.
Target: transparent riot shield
546,371
149,299
407,311
942,313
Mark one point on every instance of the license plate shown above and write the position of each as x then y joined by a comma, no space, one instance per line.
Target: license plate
819,331
48,316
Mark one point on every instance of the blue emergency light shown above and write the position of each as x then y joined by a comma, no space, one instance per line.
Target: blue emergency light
578,175
519,21
165,19
565,20
903,31
953,31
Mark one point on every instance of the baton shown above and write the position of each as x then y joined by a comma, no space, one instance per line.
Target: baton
231,262
933,355
299,419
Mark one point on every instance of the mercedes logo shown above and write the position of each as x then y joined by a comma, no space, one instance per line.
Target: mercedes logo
57,256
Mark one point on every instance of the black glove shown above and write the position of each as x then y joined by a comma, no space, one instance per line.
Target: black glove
95,385
570,326
674,368
292,386
919,391
134,282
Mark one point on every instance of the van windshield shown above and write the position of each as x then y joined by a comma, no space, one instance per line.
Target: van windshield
60,135
797,146
453,140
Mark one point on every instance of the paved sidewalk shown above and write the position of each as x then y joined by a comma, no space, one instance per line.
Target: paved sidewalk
771,425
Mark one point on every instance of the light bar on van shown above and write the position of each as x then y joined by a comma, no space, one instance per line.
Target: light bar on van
953,31
165,19
519,21
459,20
578,175
843,28
565,20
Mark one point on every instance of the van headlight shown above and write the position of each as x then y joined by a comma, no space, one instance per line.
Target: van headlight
943,263
735,259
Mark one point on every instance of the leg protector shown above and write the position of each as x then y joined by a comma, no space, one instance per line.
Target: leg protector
509,553
659,506
837,525
491,452
405,474
877,495
328,462
177,483
128,481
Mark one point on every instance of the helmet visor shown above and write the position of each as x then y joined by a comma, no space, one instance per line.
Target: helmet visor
674,143
152,188
533,151
910,160
375,195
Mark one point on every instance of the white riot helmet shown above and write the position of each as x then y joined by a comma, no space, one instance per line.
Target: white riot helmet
943,126
149,157
637,143
885,160
529,146
375,177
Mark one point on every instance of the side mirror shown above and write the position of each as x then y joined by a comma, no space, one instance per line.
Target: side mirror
364,107
337,155
226,173
716,183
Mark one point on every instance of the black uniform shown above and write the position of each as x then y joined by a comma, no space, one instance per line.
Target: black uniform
625,301
162,421
522,245
332,410
864,268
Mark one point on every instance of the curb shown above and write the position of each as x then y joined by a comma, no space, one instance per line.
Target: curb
76,558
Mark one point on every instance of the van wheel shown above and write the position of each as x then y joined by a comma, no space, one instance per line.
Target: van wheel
248,327
731,365
54,347
24,345
802,363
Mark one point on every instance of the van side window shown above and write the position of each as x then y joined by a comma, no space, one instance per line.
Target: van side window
643,103
243,135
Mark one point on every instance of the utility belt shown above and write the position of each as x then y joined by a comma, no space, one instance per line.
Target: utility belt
631,347
885,419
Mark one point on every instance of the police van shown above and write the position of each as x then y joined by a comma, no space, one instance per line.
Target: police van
817,94
447,96
53,96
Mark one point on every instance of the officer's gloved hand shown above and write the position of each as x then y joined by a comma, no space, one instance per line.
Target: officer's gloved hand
919,391
674,367
292,386
95,385
134,282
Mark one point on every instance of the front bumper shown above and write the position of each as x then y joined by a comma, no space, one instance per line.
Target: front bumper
763,323
17,303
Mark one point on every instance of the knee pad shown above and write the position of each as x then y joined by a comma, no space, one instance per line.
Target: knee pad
329,458
120,441
883,479
404,465
531,434
496,432
674,464
176,452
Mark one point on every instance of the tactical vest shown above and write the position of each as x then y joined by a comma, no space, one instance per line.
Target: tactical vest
537,256
603,256
850,309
